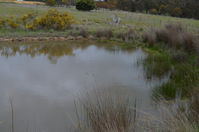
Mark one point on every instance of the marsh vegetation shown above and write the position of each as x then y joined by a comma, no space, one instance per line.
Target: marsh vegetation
125,71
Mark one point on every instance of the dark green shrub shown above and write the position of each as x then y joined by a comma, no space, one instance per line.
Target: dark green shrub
2,23
177,12
127,5
163,9
153,11
85,5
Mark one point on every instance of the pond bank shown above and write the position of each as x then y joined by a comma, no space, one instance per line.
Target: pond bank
19,39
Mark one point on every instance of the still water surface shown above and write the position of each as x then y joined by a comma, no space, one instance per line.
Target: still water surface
44,79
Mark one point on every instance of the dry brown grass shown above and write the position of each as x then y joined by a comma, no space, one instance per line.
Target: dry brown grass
7,0
105,112
195,105
129,35
104,33
174,36
29,2
150,37
24,2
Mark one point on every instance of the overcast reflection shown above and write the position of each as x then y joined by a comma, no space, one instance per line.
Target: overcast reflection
44,79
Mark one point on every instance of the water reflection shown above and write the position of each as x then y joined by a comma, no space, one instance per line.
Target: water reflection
43,93
53,50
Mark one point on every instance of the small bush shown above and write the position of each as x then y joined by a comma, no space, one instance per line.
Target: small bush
2,23
52,20
153,11
84,33
163,9
150,37
128,36
27,19
177,12
107,33
85,5
11,23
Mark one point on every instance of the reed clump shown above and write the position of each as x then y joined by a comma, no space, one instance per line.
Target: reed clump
174,36
106,112
130,35
104,33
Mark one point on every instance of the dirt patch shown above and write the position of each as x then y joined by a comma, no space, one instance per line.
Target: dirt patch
47,38
30,2
24,2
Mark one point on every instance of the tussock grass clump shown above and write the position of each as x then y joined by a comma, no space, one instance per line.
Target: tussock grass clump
172,117
194,105
150,37
157,65
174,36
130,35
183,80
179,56
105,112
105,33
84,33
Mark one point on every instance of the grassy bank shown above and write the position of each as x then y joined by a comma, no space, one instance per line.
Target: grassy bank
92,21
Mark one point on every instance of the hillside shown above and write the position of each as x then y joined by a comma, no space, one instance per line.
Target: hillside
100,19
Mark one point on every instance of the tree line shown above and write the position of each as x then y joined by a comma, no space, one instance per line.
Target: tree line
177,8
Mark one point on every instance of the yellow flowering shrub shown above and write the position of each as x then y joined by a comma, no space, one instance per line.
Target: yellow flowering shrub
52,20
28,18
11,23
2,22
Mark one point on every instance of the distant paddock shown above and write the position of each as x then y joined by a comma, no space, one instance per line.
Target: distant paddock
24,2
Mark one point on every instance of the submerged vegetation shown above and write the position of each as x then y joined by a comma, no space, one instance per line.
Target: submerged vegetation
174,53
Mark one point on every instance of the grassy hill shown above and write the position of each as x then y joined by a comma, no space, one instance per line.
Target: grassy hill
101,19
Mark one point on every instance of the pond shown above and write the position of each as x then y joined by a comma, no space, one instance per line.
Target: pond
43,79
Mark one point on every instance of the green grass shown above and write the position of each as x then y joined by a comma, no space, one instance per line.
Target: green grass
181,68
98,19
